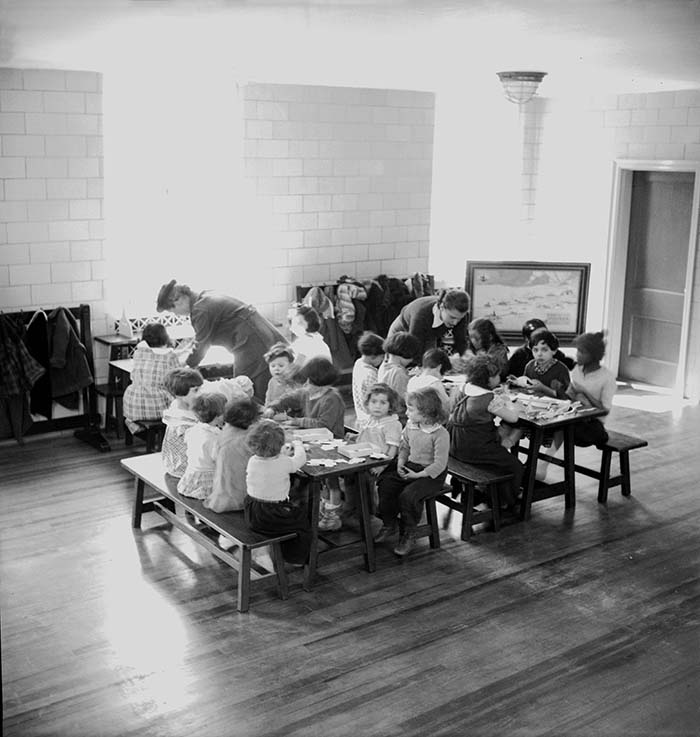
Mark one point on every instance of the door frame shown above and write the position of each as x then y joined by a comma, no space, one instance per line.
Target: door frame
616,263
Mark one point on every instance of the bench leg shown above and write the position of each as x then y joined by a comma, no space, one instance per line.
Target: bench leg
278,560
138,505
244,578
495,506
431,514
604,478
467,510
625,473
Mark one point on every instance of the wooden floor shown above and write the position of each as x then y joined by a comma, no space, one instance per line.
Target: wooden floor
572,624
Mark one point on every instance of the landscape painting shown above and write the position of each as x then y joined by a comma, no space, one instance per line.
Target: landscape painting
511,292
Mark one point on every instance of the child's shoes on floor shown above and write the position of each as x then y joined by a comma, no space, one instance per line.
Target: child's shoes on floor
386,531
406,543
330,517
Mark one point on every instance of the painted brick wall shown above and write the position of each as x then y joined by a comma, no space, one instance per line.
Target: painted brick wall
51,220
651,126
345,175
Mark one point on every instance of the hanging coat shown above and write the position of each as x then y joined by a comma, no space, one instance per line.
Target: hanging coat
69,368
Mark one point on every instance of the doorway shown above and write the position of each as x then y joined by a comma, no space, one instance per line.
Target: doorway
657,257
649,280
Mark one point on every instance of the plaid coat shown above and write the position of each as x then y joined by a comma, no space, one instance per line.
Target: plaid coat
146,397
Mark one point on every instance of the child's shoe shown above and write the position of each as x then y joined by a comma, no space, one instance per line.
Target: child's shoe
385,531
406,543
261,557
330,518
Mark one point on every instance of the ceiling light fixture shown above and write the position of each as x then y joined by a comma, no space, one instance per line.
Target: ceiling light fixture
520,87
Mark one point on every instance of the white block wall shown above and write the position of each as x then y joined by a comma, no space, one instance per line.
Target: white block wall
345,175
51,220
653,126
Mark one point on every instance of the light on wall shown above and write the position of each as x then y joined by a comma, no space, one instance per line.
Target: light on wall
520,87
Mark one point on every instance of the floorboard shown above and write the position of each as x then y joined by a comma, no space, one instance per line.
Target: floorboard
574,623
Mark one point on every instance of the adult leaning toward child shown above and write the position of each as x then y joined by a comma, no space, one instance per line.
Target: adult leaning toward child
218,319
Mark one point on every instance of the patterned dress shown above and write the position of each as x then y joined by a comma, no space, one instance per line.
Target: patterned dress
146,397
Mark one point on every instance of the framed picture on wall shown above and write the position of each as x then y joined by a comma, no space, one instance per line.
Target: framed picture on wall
511,292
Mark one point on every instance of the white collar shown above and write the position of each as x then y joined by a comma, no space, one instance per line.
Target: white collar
471,390
437,320
423,428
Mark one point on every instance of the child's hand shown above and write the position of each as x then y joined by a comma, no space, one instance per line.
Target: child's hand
268,413
557,386
376,470
408,474
287,449
538,387
351,437
401,470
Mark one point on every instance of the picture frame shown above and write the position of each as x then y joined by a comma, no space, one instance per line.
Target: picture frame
511,292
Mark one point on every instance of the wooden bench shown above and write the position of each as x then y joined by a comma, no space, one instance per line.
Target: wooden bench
460,495
617,443
148,472
152,431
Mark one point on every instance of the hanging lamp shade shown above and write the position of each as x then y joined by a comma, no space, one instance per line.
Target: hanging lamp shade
520,87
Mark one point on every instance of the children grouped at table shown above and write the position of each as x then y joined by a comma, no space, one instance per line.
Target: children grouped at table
231,452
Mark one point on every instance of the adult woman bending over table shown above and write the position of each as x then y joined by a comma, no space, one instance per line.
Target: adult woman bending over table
438,321
218,319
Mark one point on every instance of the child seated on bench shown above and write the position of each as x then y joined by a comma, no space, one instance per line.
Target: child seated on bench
183,384
268,509
202,441
593,385
147,396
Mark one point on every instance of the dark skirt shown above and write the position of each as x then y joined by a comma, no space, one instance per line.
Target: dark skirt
274,518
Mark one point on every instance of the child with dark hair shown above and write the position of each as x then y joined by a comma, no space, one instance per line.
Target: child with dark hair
593,385
268,509
420,470
229,489
202,441
308,341
147,396
279,360
402,350
547,376
319,404
484,339
434,365
521,356
364,371
183,384
474,437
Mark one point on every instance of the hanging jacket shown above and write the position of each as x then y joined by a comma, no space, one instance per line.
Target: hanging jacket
36,338
69,368
346,293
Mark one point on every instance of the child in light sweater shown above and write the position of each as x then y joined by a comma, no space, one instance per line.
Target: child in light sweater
268,509
420,471
364,371
183,384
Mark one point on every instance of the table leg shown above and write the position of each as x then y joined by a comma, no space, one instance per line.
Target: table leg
364,490
536,436
569,468
314,501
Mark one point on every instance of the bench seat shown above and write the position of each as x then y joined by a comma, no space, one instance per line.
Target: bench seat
617,442
148,472
152,432
460,495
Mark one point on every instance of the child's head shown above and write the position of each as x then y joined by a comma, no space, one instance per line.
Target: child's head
319,372
371,347
404,346
425,406
590,348
266,439
180,381
155,335
542,335
530,326
208,407
279,358
482,371
483,334
241,413
306,320
381,400
436,358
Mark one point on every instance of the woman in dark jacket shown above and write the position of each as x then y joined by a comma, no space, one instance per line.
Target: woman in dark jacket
438,321
226,321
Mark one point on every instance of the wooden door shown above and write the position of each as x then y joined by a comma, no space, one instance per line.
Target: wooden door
655,278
